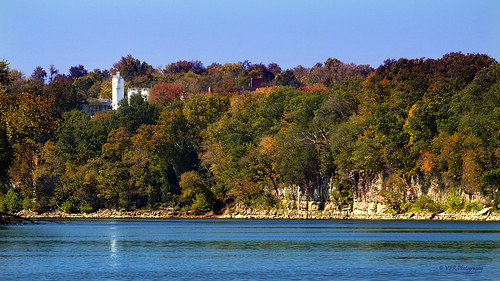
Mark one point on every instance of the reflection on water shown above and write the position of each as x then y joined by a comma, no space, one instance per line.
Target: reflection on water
114,262
250,250
113,252
113,246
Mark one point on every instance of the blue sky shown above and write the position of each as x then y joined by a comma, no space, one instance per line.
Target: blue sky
97,34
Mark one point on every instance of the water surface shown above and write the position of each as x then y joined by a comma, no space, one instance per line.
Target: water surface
189,249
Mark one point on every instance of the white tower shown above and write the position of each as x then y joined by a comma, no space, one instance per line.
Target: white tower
117,90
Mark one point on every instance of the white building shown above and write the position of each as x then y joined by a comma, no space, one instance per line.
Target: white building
118,90
144,92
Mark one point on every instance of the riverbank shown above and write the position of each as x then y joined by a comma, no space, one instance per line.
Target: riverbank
483,215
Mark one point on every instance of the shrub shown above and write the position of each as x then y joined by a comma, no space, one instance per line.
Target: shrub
395,193
453,201
473,206
69,206
495,205
424,204
3,206
13,203
204,202
45,204
85,208
37,208
342,195
125,204
247,202
28,203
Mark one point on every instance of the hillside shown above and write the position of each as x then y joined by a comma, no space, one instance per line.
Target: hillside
412,135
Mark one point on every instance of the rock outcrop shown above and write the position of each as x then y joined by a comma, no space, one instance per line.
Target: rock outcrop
367,193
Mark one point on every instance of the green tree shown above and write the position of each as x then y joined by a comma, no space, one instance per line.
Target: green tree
204,109
77,71
28,116
117,146
297,160
4,73
65,96
154,180
39,74
5,158
12,201
132,115
490,185
394,193
195,192
287,78
174,142
83,84
113,185
133,70
81,138
47,172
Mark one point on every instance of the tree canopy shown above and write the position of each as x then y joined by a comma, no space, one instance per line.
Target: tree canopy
186,148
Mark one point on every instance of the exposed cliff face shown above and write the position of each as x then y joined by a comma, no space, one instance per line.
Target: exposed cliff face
366,189
367,192
316,192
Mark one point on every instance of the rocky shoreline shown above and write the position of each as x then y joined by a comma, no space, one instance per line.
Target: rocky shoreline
483,215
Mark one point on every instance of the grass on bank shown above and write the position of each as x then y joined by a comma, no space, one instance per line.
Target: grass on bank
13,203
452,204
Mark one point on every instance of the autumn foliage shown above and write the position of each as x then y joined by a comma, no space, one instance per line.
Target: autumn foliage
164,93
437,120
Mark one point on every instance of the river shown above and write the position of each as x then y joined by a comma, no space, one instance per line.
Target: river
218,249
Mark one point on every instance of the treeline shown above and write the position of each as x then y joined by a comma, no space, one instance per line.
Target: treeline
189,149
